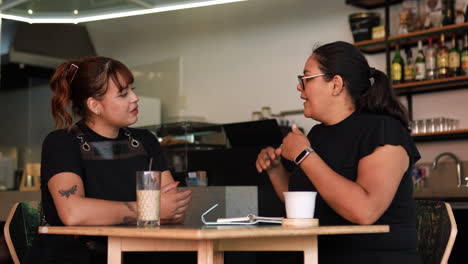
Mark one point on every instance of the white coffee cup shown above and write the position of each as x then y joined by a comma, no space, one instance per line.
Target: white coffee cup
300,204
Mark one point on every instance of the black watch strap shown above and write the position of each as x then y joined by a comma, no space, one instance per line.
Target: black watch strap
303,155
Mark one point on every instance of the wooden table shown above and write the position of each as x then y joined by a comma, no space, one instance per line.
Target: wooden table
211,242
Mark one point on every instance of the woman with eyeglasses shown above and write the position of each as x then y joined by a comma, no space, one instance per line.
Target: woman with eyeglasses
88,168
358,159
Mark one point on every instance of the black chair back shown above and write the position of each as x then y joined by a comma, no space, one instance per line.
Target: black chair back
437,230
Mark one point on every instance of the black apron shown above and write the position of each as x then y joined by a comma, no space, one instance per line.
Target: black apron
98,157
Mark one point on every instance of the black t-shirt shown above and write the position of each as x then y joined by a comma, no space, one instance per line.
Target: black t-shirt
341,146
108,170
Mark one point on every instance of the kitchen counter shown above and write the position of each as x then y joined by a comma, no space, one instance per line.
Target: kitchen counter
442,185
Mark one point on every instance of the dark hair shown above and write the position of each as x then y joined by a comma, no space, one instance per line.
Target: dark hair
346,60
76,81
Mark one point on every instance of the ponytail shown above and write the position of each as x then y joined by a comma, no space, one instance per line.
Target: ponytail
380,98
60,85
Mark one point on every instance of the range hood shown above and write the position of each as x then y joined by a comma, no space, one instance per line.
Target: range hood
48,45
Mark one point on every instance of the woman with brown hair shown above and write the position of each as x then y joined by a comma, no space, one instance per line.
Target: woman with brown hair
88,168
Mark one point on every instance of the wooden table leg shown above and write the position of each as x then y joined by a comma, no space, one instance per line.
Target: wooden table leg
114,250
311,252
219,257
206,254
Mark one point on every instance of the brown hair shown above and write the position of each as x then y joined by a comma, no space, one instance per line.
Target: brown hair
76,81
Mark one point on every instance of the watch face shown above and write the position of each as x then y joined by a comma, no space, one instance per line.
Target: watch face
299,157
303,155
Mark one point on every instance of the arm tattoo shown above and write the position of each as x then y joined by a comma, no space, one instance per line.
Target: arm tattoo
130,207
67,193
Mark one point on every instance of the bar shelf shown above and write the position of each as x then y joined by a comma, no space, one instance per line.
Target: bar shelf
411,39
443,84
439,136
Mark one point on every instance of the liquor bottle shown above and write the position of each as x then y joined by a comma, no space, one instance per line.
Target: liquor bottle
442,58
397,67
464,55
454,58
420,64
431,61
409,66
448,12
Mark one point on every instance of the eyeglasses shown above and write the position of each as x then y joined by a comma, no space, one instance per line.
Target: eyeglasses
301,79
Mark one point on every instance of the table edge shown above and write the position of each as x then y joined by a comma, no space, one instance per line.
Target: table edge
211,233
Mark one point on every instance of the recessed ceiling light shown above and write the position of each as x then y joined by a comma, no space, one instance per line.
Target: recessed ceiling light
30,11
75,12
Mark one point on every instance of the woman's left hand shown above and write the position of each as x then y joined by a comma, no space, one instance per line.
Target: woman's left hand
294,143
174,203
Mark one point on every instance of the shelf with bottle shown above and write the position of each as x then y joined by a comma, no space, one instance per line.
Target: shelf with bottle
437,69
410,39
422,85
449,83
437,136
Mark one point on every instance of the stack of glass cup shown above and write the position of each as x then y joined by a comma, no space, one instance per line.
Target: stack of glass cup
433,125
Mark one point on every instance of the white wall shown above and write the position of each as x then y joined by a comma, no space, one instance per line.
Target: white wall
232,59
235,58
152,113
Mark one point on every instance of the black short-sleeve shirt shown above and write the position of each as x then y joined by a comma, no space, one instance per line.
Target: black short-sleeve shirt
108,170
341,146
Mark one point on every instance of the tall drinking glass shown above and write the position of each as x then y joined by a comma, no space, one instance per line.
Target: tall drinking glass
421,126
430,125
148,198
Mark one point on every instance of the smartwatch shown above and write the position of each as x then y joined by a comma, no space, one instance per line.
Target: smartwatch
303,155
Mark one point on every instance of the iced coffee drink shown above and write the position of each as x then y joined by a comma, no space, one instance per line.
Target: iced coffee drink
148,198
148,205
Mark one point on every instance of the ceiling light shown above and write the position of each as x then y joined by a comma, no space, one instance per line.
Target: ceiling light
75,12
30,11
116,14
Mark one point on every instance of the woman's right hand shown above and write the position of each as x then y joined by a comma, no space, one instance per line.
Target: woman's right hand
174,203
268,158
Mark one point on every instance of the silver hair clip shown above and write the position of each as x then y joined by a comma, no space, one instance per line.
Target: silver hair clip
74,73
